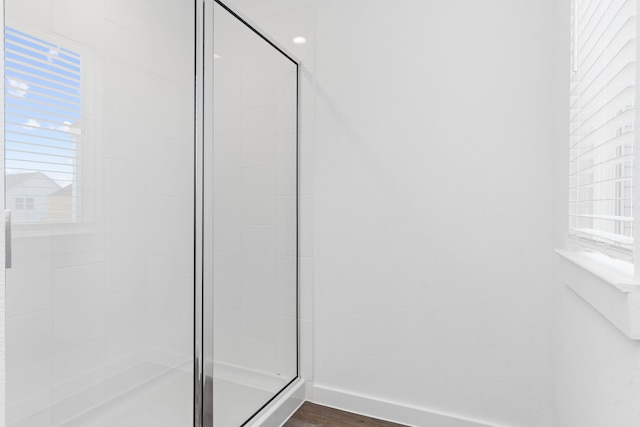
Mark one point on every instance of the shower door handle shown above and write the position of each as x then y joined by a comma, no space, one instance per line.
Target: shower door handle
7,238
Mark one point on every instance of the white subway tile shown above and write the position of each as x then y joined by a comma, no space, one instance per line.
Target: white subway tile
79,302
126,135
306,349
286,172
186,325
306,288
258,298
26,245
170,168
123,44
170,224
286,346
306,101
29,361
258,355
227,287
228,86
126,258
226,224
258,138
227,335
126,329
78,248
306,226
93,64
127,14
77,365
285,300
286,225
286,100
93,164
164,112
227,172
29,285
169,30
124,78
258,196
258,253
34,13
258,76
126,201
167,279
258,326
163,338
306,159
80,20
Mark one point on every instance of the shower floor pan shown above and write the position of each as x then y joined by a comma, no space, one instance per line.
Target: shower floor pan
163,403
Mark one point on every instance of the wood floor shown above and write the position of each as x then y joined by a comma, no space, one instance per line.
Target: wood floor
312,415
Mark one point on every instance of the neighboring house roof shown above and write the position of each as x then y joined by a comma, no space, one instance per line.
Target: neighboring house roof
63,192
15,179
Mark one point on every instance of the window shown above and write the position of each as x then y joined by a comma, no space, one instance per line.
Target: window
43,111
602,128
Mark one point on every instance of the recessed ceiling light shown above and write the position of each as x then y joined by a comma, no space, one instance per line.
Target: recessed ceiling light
216,56
299,40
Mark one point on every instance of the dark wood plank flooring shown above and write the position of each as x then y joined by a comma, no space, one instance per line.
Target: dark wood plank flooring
313,415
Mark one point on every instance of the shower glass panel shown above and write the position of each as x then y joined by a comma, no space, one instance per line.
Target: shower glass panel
254,219
99,172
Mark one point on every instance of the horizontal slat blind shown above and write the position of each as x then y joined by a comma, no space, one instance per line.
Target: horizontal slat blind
43,109
602,128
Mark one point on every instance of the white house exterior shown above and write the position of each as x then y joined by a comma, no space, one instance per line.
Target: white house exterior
27,196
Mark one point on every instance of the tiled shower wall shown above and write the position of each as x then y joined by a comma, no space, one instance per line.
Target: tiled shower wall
255,203
283,21
100,305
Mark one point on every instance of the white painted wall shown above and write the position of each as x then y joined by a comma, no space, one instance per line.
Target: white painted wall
596,366
433,206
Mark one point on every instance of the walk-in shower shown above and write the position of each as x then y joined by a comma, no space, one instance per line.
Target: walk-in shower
151,174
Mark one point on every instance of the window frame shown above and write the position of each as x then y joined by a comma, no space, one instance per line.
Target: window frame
576,241
87,113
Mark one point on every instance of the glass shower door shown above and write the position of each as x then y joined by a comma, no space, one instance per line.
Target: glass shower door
99,177
254,216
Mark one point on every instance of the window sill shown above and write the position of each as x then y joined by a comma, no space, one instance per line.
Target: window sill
607,285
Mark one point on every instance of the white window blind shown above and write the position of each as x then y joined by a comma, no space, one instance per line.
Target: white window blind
602,128
43,110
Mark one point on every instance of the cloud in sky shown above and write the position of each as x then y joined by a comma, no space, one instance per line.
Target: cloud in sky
32,123
17,88
52,54
66,127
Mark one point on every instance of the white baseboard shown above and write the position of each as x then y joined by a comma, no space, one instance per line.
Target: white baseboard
388,410
281,409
